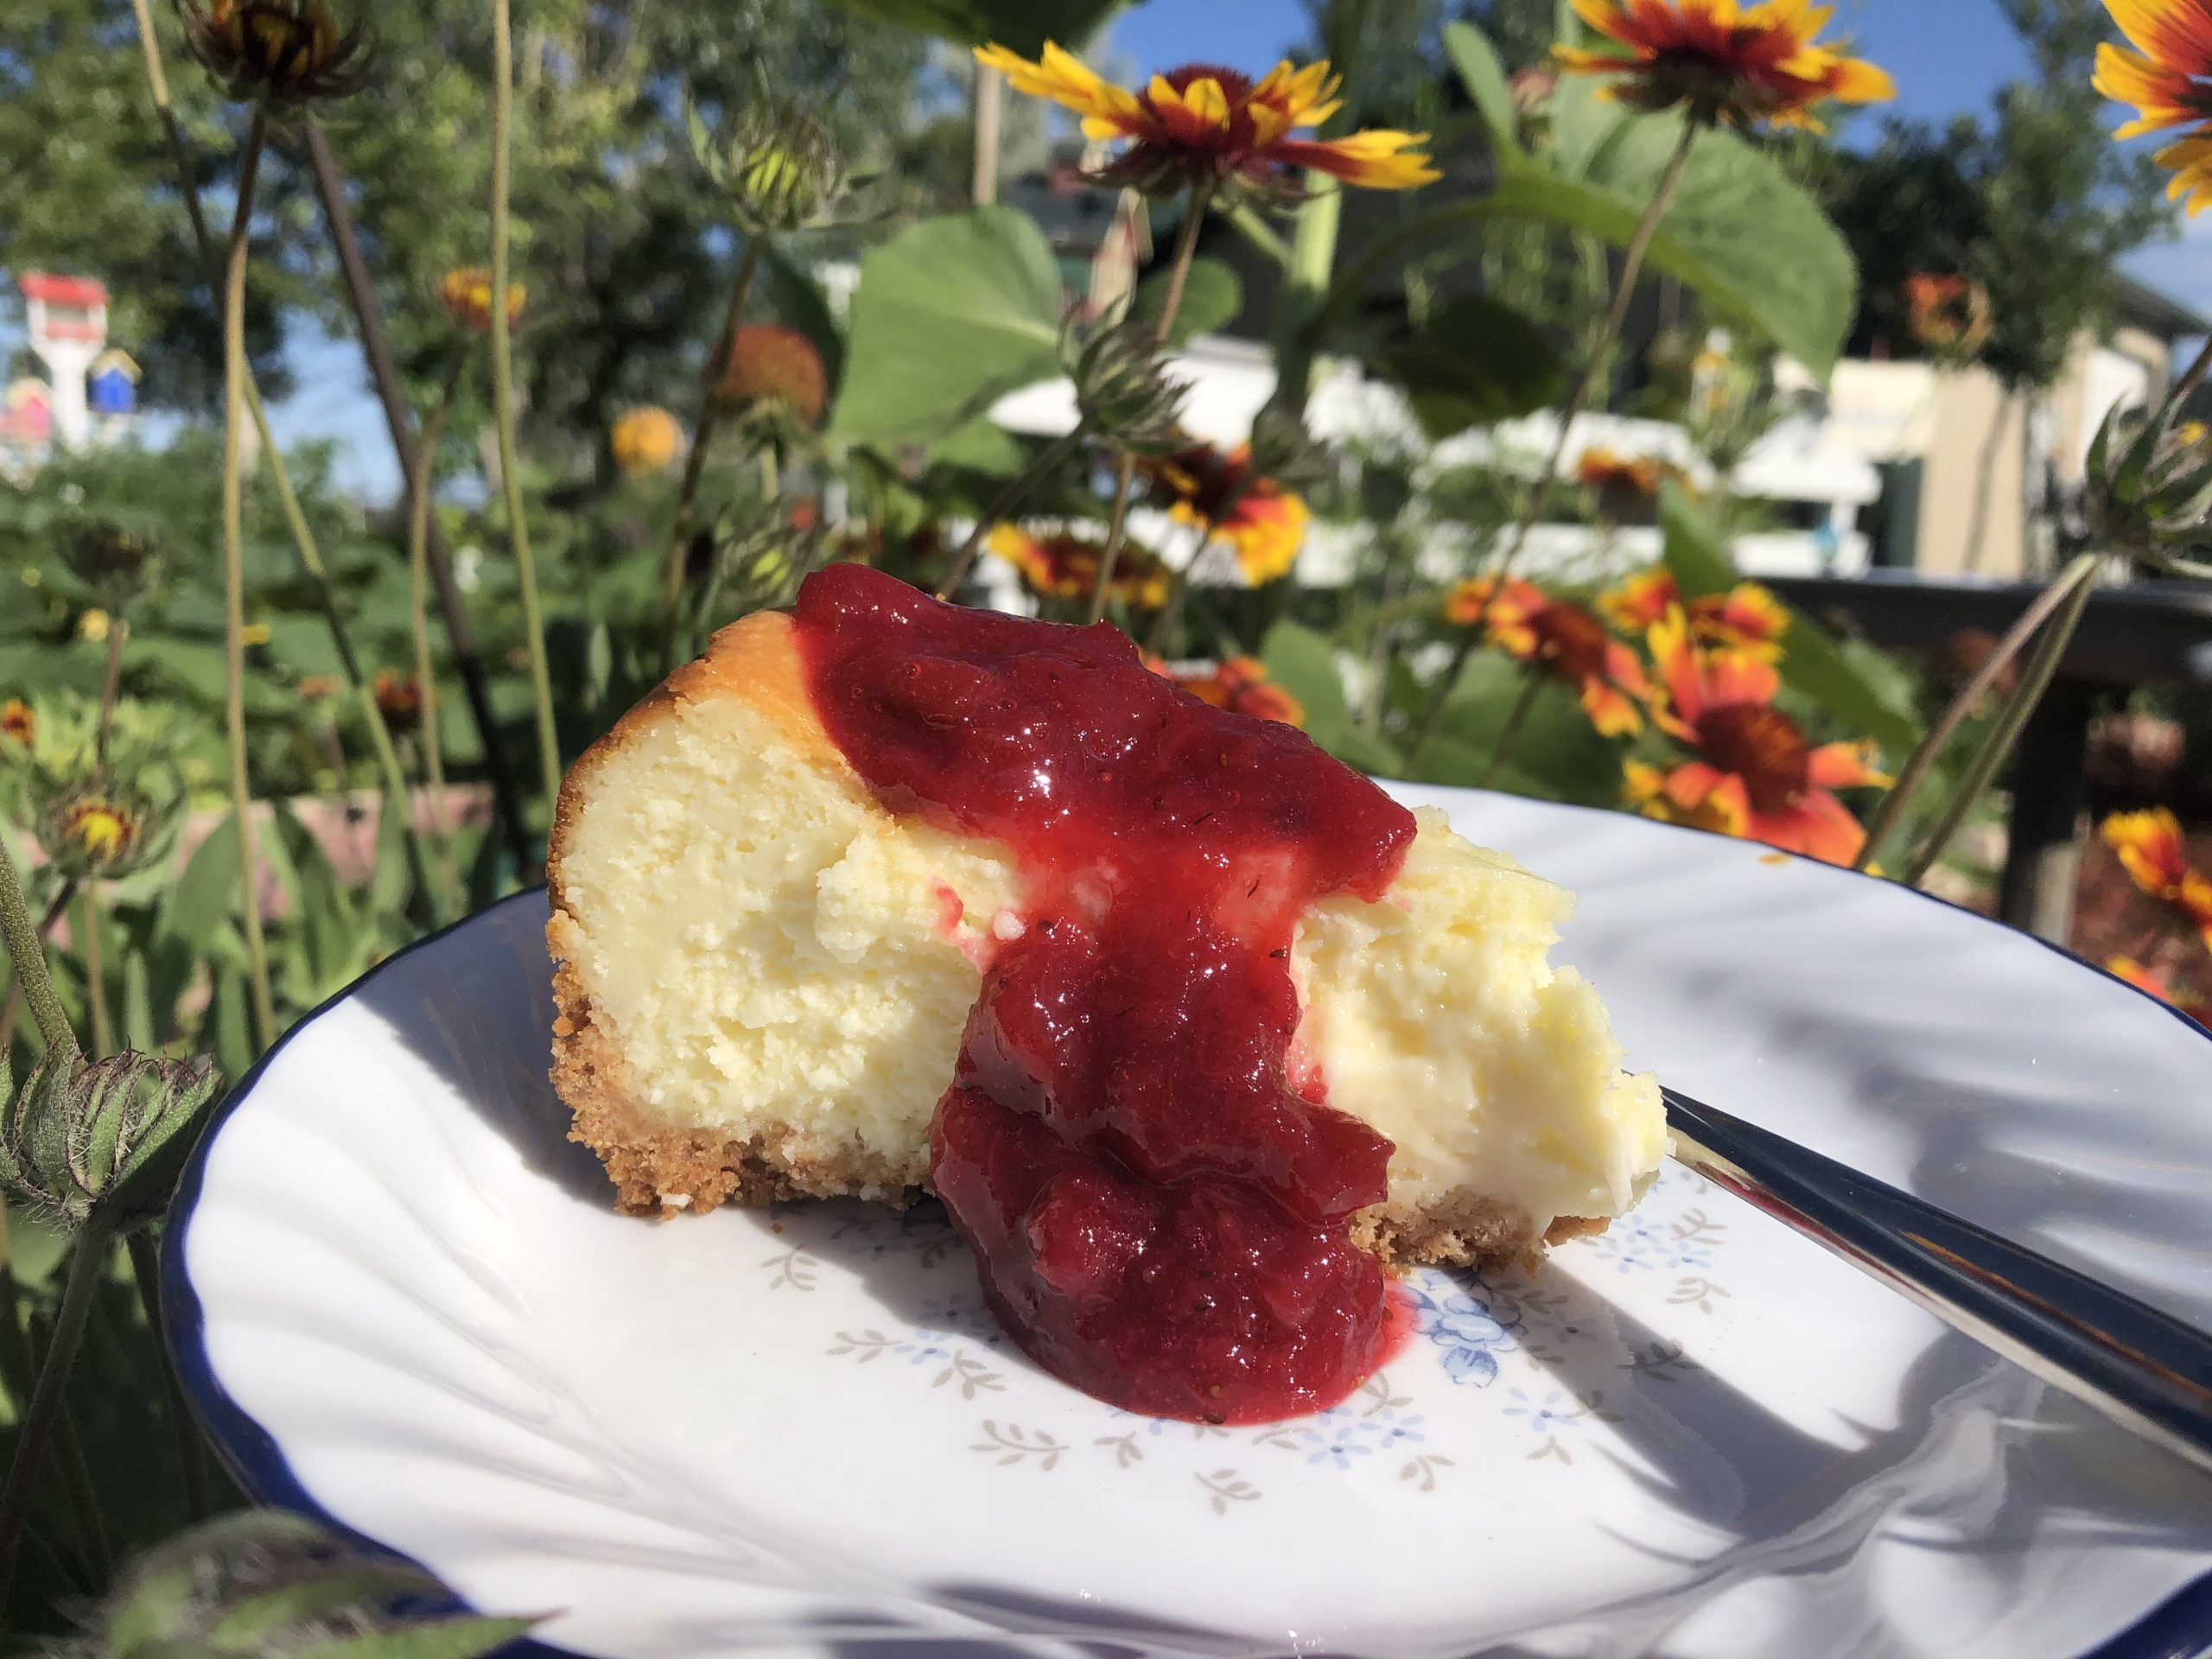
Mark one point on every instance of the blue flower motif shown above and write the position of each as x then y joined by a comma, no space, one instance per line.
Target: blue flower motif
1548,1415
1471,1334
1337,1449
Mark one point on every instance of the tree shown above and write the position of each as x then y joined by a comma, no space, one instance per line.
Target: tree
2032,201
618,238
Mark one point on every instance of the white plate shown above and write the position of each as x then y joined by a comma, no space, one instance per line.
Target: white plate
403,1300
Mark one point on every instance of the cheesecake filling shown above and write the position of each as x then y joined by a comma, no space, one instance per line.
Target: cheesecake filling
1156,1191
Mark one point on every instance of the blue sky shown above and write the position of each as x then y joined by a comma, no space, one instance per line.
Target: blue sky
1947,55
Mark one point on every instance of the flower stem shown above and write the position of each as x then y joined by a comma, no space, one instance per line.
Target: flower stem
1178,274
118,630
295,518
1509,738
533,621
146,1268
36,1427
12,1004
28,955
384,373
2036,679
1931,748
445,892
257,952
96,973
77,1474
1047,458
702,430
1539,493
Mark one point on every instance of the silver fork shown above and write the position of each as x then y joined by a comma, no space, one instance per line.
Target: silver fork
2146,1370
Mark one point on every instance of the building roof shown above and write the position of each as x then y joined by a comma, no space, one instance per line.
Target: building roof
61,290
2163,314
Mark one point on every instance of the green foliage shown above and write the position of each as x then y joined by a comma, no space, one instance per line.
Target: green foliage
1212,296
1474,362
950,314
1024,25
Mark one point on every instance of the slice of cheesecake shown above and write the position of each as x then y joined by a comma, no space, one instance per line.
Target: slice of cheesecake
764,974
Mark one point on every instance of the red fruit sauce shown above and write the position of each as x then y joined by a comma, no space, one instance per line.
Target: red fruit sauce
1159,1212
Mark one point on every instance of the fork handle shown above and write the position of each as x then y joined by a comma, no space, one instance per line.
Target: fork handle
2145,1370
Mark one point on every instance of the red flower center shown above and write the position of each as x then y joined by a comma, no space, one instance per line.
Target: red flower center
1760,745
1572,640
1235,85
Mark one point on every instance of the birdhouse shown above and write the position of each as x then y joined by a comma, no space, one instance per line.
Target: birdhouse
113,382
28,414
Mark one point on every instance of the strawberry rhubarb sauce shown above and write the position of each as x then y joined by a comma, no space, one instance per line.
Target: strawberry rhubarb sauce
1157,1197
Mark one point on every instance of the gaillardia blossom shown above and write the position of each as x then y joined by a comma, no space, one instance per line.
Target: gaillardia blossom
2151,850
1755,774
1529,625
1722,60
2146,978
1746,619
1065,565
467,291
1242,686
1202,124
2165,79
1215,492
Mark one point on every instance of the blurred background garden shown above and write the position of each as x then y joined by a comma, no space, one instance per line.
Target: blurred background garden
1782,424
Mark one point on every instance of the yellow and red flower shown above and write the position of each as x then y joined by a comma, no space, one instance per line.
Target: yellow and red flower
1203,124
1602,469
2146,978
399,698
1755,774
2151,851
467,290
1240,685
1065,565
1215,491
1746,619
18,724
2166,78
770,362
319,688
1530,626
1724,60
1948,315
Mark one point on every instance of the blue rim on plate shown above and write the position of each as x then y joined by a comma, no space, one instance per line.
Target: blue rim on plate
2180,1627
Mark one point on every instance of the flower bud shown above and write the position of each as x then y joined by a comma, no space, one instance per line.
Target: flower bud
1124,393
289,51
267,1583
116,563
2150,501
108,1135
777,163
97,830
646,440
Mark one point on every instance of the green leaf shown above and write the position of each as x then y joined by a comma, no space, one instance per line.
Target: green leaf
1558,757
1476,360
950,314
395,871
799,300
227,1019
1740,231
1025,25
1693,547
1212,296
1814,665
979,446
1305,664
206,893
1482,73
445,1638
